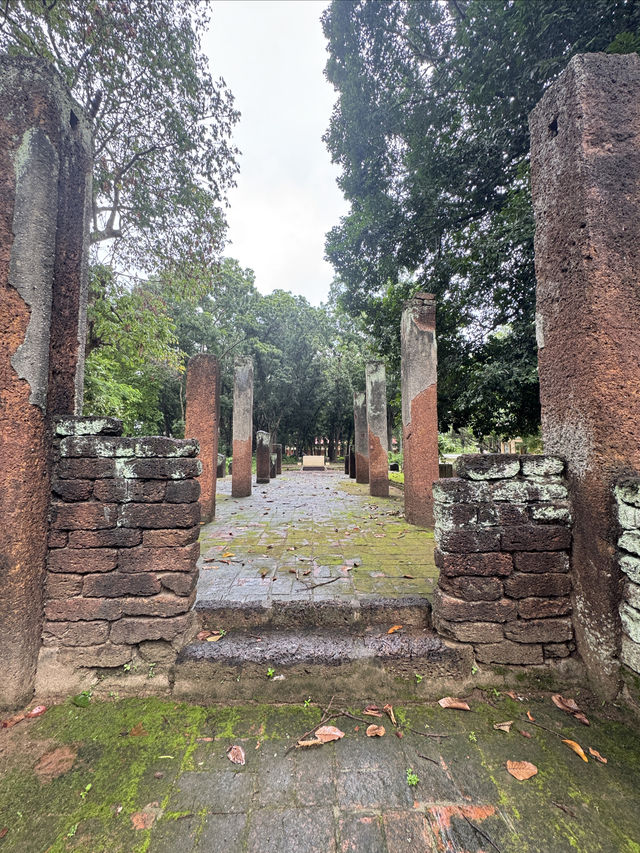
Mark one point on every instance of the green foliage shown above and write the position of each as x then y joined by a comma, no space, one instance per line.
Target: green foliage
412,778
430,132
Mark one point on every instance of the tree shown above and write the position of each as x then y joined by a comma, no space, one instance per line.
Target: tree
430,131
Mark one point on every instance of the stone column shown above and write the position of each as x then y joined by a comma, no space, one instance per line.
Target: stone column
202,423
419,407
346,459
263,457
377,429
242,427
362,437
273,466
585,173
352,462
45,175
278,450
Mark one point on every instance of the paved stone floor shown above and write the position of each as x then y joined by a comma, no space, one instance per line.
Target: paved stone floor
311,535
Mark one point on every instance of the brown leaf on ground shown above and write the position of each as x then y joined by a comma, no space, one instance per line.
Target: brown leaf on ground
4,831
530,717
328,733
137,731
11,721
511,694
394,628
236,754
576,748
214,636
568,705
450,702
228,554
372,711
399,734
304,743
146,818
202,635
38,711
409,577
524,733
521,770
597,755
388,709
55,763
375,731
503,727
581,717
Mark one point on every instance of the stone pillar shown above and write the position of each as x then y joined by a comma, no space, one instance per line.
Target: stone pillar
242,428
278,450
377,429
585,174
202,423
273,465
419,407
352,462
362,437
263,457
45,175
221,471
346,459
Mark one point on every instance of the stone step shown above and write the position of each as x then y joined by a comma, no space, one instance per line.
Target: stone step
353,615
292,665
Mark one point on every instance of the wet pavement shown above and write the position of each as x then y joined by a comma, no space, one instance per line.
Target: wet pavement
309,536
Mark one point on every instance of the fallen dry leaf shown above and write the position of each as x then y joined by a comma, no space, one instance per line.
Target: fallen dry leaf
11,721
410,577
568,705
228,554
203,635
4,831
511,694
314,742
138,731
372,711
388,709
576,748
524,733
399,734
530,717
328,733
394,628
581,717
503,727
146,818
55,763
450,702
521,770
375,731
38,711
597,755
235,754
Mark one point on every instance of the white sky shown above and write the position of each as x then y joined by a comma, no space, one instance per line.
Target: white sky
271,54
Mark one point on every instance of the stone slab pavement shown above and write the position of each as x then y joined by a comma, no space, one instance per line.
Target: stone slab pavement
311,535
153,776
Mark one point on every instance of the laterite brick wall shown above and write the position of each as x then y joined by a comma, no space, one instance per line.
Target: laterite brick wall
627,494
503,534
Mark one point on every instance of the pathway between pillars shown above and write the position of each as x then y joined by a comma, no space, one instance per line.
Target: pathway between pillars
311,536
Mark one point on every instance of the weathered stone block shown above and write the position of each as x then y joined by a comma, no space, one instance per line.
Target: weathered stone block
170,538
75,633
539,631
158,516
120,537
628,516
470,632
164,604
541,466
157,650
82,561
454,490
465,542
136,630
558,650
183,491
72,490
549,537
472,588
631,594
551,513
628,490
631,567
57,538
503,514
541,608
488,565
63,586
82,609
124,491
88,426
84,446
521,491
509,653
630,541
104,656
449,516
116,584
85,469
541,562
158,469
83,516
527,585
630,653
458,610
178,582
487,466
146,559
630,619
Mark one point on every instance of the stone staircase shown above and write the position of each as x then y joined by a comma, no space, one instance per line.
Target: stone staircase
293,650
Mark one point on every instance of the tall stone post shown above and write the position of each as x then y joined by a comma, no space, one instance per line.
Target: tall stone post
419,407
278,450
202,423
377,429
361,437
45,175
585,172
242,427
263,457
346,459
352,462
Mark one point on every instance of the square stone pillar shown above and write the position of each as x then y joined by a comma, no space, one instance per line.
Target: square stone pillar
45,176
242,428
263,457
202,423
419,407
352,462
278,452
361,437
377,429
585,175
346,459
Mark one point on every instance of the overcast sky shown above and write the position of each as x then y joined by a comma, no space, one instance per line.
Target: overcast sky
271,54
